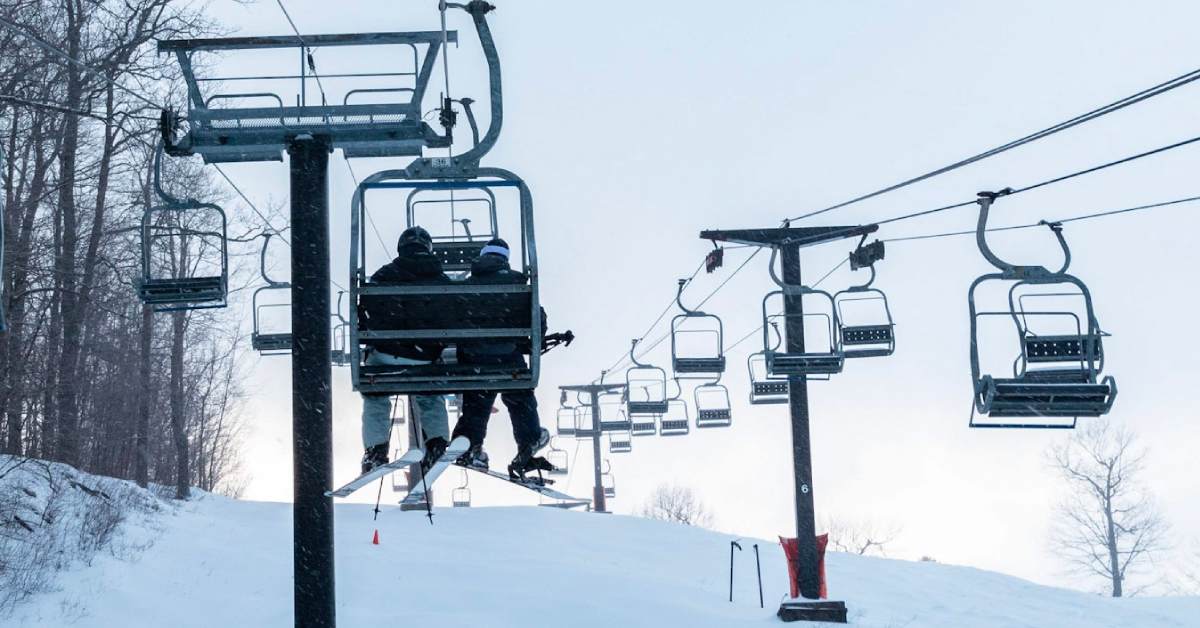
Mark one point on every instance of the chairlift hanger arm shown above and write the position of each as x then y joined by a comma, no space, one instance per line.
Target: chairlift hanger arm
1013,271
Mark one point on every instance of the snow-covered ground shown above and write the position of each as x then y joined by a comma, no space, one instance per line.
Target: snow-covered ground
221,562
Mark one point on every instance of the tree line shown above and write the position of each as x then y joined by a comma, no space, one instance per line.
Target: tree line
88,375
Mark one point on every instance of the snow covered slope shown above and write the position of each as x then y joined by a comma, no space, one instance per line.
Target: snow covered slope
219,562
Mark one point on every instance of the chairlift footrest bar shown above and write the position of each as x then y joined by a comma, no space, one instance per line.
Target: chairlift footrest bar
784,364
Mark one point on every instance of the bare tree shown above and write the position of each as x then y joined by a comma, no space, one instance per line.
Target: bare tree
679,504
859,537
1107,523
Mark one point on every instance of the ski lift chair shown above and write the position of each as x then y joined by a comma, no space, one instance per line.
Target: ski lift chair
564,421
446,313
676,421
606,480
713,408
645,388
784,364
185,254
461,496
693,324
339,353
558,458
585,422
620,442
275,342
875,336
1054,376
399,411
764,389
612,410
644,425
455,250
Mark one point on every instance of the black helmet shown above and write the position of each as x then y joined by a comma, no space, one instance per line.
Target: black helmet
417,236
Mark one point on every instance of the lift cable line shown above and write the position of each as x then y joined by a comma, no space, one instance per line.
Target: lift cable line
32,36
1103,214
1010,191
1117,105
312,64
661,316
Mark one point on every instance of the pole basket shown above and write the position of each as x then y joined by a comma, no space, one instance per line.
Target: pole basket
791,549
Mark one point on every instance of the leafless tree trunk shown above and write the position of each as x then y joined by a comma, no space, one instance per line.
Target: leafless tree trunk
178,421
1107,523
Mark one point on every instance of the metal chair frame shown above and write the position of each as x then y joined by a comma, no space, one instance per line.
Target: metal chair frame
620,442
558,458
180,292
274,343
1053,392
647,378
442,378
691,367
607,482
872,340
461,496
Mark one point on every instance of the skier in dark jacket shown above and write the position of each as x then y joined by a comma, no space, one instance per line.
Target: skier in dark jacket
492,267
415,263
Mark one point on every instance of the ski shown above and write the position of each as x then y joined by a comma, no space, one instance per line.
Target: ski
416,496
543,489
410,457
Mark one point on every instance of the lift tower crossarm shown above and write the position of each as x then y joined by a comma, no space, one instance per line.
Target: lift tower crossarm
789,241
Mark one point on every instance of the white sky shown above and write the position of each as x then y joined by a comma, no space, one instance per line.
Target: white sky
639,124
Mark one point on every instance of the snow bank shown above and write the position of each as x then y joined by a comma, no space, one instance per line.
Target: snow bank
55,518
221,562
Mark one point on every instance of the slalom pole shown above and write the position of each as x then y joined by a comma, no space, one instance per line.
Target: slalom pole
732,544
758,568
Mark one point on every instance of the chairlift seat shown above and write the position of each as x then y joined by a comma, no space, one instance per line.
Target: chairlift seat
620,447
1032,397
610,491
431,378
1063,348
644,426
673,427
618,425
786,364
182,290
646,408
714,365
716,417
272,343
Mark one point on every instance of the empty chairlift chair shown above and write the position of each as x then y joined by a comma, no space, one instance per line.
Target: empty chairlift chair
585,423
185,257
1056,375
270,338
564,421
448,216
713,408
446,313
607,482
612,410
645,395
461,496
823,360
697,342
765,389
620,442
676,421
558,458
865,320
339,353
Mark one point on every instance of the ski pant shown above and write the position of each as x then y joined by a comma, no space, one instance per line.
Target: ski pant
477,409
430,410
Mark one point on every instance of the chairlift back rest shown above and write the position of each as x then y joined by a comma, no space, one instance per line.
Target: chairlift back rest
866,334
457,256
404,312
1065,348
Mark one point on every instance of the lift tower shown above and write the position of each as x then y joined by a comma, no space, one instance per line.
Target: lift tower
257,124
788,242
593,391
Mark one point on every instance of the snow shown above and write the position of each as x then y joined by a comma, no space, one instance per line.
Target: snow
222,562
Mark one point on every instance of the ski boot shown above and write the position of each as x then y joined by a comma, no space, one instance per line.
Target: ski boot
542,441
374,456
526,462
434,448
474,457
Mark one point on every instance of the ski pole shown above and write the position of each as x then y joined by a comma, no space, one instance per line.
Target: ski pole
732,544
758,567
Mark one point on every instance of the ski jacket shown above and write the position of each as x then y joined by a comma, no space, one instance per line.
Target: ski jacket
494,269
413,265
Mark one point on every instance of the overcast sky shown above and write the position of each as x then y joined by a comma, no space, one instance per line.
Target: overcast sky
639,124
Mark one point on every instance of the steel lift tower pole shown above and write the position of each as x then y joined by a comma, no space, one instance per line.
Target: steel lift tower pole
599,503
789,241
